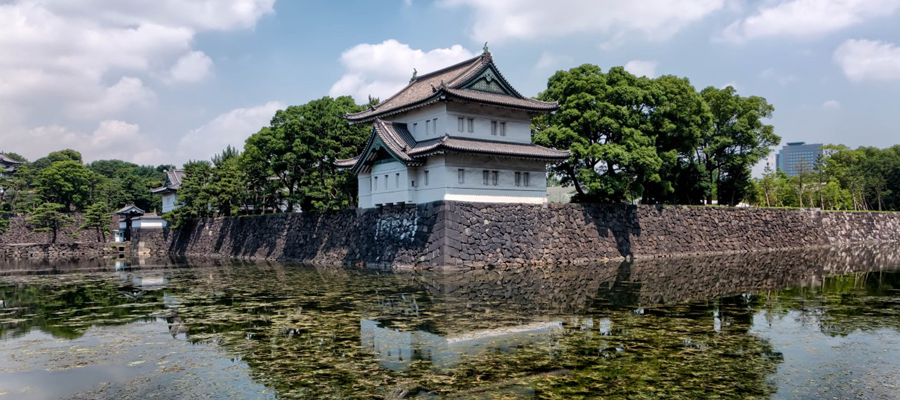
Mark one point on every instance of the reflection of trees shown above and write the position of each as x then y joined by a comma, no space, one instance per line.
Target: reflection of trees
651,328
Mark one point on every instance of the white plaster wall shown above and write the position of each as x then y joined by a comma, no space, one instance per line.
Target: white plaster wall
148,224
473,188
436,188
392,185
169,202
417,121
364,184
518,124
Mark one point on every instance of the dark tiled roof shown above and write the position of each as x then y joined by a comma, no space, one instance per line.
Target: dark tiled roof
173,181
492,147
431,87
503,100
401,144
130,209
4,159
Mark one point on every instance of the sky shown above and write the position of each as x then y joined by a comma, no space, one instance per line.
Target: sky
167,81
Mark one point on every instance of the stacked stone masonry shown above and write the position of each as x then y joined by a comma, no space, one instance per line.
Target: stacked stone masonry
467,235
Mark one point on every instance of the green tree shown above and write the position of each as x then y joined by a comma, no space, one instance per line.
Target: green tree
97,217
49,217
297,151
227,185
193,197
65,182
735,141
603,120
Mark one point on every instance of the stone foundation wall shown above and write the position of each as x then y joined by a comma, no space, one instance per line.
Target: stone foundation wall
21,232
466,235
55,250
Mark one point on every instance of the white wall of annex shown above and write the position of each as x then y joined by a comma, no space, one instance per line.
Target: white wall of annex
420,121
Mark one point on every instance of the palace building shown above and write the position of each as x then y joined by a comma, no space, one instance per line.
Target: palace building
169,190
461,133
8,165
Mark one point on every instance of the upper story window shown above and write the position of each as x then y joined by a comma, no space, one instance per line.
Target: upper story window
374,183
485,176
426,178
471,126
415,126
495,177
434,126
494,128
427,127
398,180
503,129
460,124
461,175
518,179
385,182
525,179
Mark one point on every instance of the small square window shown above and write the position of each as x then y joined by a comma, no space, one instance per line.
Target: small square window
471,125
485,175
460,122
495,177
461,175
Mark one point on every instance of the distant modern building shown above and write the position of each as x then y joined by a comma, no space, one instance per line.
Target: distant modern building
796,157
461,133
8,166
169,189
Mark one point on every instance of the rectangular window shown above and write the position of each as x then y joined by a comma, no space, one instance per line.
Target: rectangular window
398,180
412,183
460,122
415,126
518,179
471,125
503,129
427,127
385,182
434,126
375,184
485,175
426,178
495,177
494,128
526,178
461,175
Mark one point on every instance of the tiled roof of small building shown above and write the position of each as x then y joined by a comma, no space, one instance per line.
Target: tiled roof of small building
173,181
5,159
454,81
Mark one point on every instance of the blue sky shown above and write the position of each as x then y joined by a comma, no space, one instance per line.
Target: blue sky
164,81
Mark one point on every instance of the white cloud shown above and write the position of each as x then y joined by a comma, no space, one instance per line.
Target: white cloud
383,69
500,20
869,60
550,61
96,59
831,105
231,128
191,67
806,18
113,99
642,68
111,139
771,74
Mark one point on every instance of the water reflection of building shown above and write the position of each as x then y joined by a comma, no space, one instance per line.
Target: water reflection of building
396,349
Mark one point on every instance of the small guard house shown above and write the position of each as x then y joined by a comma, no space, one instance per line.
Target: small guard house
462,133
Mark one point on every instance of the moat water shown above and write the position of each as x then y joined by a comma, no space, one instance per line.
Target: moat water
816,324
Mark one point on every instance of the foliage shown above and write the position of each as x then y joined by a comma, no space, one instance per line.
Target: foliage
97,217
865,179
65,182
49,217
657,140
194,196
291,162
